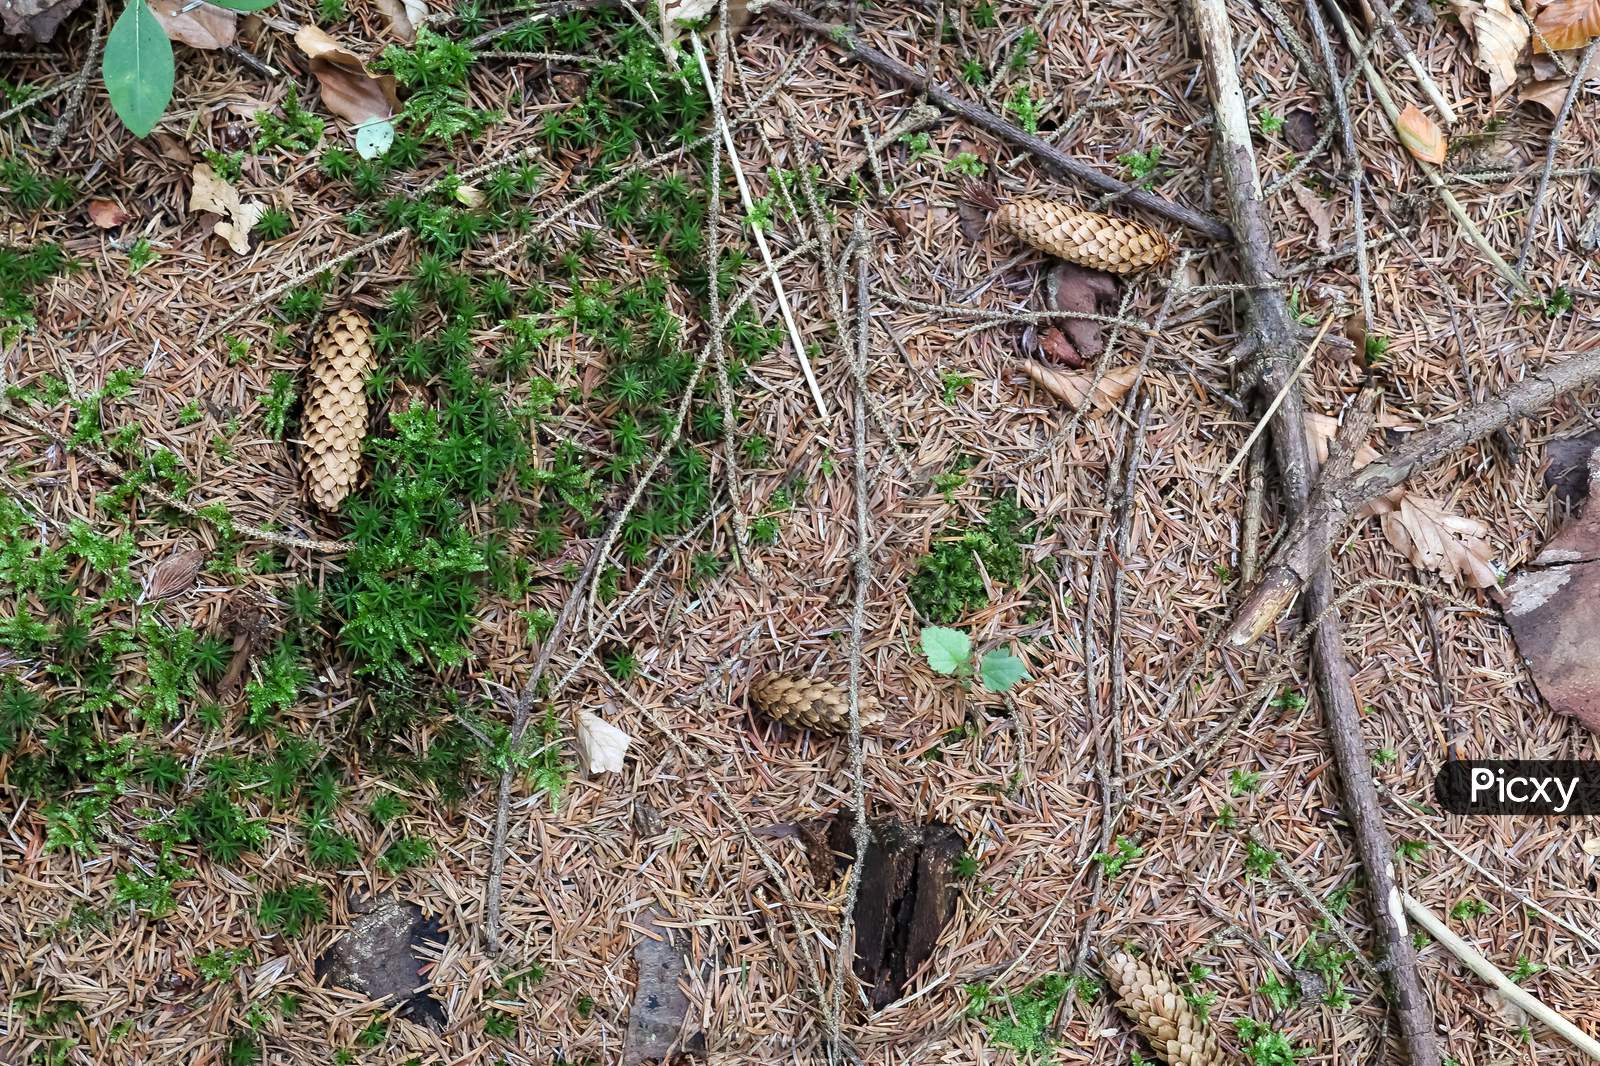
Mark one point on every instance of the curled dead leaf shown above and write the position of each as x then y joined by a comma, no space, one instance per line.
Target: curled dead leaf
107,214
1549,94
1566,24
1071,387
175,573
470,196
198,26
404,17
211,193
1498,38
603,744
1421,135
349,90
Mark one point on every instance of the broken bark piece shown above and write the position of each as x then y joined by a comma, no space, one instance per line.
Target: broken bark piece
655,1020
1553,608
1567,467
248,630
379,958
908,893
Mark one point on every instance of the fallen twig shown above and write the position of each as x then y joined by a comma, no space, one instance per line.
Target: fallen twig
1352,160
1508,989
80,82
760,238
1304,547
1429,87
1537,206
1380,89
1275,338
842,37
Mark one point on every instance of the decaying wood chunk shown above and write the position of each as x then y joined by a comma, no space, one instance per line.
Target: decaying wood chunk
655,1020
908,893
379,958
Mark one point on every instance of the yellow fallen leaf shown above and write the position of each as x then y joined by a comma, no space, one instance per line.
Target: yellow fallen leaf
603,744
470,195
1071,387
1421,135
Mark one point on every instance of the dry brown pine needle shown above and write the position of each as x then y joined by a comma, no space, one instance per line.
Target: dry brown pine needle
1088,238
1155,1004
810,703
335,419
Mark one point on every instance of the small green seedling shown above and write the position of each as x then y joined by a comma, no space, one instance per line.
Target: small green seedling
949,652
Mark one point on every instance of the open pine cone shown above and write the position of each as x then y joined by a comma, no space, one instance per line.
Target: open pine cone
798,700
1155,1004
1088,238
335,417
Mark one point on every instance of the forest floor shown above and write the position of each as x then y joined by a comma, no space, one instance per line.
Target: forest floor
179,851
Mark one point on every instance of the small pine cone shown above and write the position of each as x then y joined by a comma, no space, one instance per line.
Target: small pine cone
1101,242
1156,1005
797,700
335,416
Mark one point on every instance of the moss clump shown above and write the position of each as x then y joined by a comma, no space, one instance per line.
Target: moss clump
949,581
1022,1021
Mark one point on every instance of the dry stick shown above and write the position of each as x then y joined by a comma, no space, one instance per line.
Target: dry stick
590,578
719,354
1429,86
1274,332
1304,547
861,832
38,97
1380,89
1508,989
1255,503
1550,154
1354,174
224,525
79,83
984,119
1290,382
761,238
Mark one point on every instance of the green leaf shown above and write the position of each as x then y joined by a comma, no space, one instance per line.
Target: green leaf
1001,670
244,5
947,650
138,68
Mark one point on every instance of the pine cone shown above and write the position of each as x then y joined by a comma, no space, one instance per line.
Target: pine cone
797,700
335,416
1156,1005
1103,242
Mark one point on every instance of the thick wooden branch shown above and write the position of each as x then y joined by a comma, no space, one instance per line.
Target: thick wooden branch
984,119
1339,496
1277,341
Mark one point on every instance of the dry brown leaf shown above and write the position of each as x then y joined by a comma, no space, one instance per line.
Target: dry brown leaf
404,16
107,214
1071,387
175,573
603,744
211,193
1498,36
36,19
172,148
1421,135
1567,24
204,26
1314,206
1435,539
349,90
1549,95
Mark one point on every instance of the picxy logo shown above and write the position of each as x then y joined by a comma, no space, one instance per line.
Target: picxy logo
1519,786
